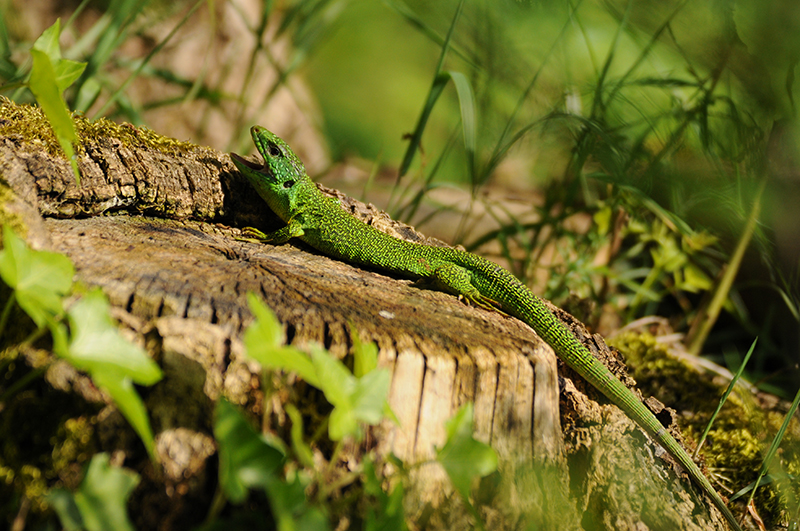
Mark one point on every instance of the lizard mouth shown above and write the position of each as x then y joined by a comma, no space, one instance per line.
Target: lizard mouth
253,165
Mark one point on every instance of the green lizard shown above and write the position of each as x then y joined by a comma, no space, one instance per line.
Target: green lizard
319,221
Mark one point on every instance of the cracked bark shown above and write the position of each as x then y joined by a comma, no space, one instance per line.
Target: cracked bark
156,232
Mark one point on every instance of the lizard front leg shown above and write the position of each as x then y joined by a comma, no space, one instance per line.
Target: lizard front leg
292,230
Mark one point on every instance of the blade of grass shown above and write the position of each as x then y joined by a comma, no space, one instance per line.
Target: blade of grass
311,20
645,51
436,90
466,102
146,60
502,148
408,210
773,448
598,105
705,320
7,68
725,396
122,15
198,84
76,13
426,30
258,33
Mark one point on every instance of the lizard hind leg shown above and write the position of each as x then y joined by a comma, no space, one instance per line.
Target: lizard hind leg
458,280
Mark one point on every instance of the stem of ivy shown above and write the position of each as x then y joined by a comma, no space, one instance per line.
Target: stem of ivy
217,504
268,388
34,336
6,312
345,480
28,378
320,431
334,457
21,383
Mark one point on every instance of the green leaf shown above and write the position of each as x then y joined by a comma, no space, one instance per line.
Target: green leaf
100,503
129,403
302,450
355,400
343,423
48,41
263,340
245,459
462,457
66,71
365,355
114,364
695,279
40,279
388,515
96,345
291,509
45,87
63,502
338,385
336,381
103,495
266,329
370,395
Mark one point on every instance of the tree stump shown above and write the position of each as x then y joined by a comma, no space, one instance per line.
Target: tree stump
154,227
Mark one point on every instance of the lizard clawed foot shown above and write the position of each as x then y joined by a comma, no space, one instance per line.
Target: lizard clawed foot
484,302
252,235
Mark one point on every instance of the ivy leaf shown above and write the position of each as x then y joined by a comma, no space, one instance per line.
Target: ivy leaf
291,509
45,88
50,75
355,400
66,71
264,342
63,502
97,346
40,279
113,363
369,397
386,513
245,459
463,457
100,503
103,495
365,355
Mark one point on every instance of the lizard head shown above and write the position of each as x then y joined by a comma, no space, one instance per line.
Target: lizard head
282,175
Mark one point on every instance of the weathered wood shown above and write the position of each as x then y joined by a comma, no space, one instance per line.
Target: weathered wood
178,280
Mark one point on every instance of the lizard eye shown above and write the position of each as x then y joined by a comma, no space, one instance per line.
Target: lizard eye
274,150
288,184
